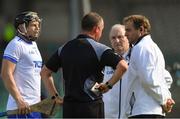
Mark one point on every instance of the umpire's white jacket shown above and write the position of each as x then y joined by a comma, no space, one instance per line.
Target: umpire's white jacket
114,99
148,89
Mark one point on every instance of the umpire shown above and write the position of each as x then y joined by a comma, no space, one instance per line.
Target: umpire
82,61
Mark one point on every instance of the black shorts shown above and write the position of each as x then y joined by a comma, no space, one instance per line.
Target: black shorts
94,109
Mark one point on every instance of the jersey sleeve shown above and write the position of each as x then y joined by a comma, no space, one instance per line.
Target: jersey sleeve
12,52
109,58
54,62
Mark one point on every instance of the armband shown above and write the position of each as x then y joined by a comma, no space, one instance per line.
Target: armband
54,96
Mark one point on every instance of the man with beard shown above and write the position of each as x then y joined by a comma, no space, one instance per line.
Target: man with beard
21,66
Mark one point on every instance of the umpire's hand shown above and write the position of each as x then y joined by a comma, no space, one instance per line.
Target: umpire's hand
167,108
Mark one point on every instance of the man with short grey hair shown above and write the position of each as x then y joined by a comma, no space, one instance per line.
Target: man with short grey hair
115,98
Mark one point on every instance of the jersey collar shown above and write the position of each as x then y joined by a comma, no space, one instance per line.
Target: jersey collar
83,36
23,38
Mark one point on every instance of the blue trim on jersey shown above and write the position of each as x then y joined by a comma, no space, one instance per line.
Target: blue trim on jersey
10,58
35,115
24,40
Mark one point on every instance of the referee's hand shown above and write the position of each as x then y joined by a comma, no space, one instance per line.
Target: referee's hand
103,88
59,100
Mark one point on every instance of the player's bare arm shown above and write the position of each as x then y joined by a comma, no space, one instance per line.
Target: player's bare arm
8,79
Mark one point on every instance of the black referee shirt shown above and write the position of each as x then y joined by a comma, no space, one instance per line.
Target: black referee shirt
79,59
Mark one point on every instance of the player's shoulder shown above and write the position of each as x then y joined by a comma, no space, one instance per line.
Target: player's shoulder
15,42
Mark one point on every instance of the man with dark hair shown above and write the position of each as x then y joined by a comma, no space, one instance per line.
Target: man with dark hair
21,66
148,95
82,61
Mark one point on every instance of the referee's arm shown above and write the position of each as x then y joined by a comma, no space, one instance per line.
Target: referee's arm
47,78
117,75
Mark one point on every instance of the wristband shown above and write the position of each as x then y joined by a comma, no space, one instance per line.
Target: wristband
54,96
108,85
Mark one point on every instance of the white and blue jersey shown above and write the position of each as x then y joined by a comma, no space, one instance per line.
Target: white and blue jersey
28,60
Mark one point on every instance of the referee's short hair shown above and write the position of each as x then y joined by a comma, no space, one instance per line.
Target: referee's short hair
90,20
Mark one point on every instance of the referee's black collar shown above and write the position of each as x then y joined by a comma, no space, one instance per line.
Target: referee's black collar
83,36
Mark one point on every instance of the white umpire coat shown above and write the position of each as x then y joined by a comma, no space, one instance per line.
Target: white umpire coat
146,73
114,99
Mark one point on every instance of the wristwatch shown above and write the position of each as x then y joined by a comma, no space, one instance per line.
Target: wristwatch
108,85
54,96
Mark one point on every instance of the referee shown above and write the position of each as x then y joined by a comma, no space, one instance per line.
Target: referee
82,61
